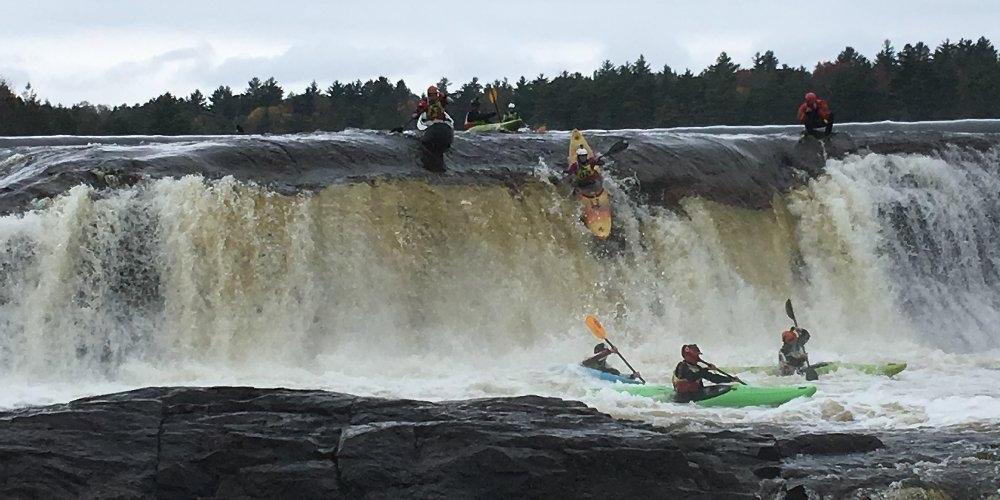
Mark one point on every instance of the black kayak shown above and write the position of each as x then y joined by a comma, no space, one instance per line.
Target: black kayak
435,137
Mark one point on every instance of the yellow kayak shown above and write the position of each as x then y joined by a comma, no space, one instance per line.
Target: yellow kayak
596,205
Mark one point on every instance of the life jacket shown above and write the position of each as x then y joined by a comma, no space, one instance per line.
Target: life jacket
686,386
587,171
435,110
821,110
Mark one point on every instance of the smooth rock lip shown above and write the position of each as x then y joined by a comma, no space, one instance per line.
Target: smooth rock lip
227,442
744,167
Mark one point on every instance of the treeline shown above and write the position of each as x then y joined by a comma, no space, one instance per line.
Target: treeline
954,80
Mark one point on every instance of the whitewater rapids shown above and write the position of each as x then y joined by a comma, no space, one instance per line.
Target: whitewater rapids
400,287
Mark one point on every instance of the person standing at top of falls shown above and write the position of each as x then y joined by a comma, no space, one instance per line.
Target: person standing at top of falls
475,117
689,375
815,114
599,361
433,105
585,172
792,357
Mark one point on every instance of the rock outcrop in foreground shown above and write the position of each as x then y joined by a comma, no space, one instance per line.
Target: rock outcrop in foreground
270,443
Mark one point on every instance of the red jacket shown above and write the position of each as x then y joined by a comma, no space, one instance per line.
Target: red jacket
821,106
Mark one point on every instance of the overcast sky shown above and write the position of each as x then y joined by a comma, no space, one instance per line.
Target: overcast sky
115,51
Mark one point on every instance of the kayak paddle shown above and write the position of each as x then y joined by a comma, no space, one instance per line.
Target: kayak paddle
809,371
398,130
493,98
712,367
598,330
617,147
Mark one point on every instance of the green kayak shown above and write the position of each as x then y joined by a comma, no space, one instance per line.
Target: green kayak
886,369
730,396
508,126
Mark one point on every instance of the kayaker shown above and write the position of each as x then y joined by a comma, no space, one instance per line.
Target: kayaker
792,358
475,117
511,114
434,104
599,361
585,171
689,375
815,114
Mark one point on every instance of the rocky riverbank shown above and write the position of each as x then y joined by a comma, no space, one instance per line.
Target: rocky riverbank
269,443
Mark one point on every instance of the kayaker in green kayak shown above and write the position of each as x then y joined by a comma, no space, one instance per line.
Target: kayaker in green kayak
511,113
792,357
475,117
599,361
689,376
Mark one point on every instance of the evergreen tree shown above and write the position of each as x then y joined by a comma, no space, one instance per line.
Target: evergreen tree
954,80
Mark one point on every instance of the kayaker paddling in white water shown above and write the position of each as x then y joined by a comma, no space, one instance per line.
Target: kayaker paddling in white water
599,361
690,374
792,357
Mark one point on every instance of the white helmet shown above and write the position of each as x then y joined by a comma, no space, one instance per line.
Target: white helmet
581,151
510,106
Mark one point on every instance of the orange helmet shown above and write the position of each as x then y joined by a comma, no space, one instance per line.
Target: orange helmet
789,336
432,90
691,353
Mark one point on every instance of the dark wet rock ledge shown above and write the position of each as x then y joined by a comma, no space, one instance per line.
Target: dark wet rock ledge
239,442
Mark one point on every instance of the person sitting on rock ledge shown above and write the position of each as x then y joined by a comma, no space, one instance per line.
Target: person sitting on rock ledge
815,114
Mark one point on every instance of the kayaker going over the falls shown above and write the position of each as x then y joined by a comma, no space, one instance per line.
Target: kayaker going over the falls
585,172
792,358
475,117
433,104
815,114
599,361
689,375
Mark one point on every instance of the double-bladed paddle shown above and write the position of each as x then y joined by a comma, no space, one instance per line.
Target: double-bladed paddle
598,330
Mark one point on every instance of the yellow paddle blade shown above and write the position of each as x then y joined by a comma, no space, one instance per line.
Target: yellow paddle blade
493,95
596,327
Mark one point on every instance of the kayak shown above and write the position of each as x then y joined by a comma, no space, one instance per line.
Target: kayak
609,377
727,396
826,368
436,134
507,126
436,137
596,204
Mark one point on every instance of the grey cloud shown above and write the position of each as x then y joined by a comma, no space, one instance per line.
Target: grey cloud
344,41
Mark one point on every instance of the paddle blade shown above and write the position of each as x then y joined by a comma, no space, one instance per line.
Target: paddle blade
789,311
493,95
617,147
811,374
596,327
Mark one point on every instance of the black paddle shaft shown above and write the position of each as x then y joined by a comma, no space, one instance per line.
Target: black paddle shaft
625,360
710,366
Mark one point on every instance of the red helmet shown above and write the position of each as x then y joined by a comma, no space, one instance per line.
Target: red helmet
433,90
691,353
789,336
811,97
